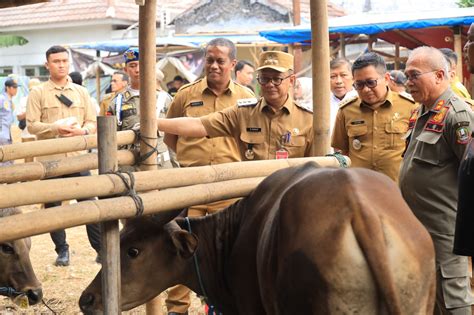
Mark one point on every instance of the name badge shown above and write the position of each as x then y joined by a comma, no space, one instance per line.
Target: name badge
254,129
197,103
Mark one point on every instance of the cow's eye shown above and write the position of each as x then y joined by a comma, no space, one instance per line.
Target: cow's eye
7,249
133,252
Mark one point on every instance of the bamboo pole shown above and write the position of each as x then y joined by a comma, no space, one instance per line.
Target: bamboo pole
108,185
147,45
321,88
458,50
54,168
56,146
148,124
110,239
86,212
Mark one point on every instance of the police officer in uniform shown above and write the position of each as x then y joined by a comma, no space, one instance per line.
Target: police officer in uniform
275,127
464,233
369,127
126,106
437,137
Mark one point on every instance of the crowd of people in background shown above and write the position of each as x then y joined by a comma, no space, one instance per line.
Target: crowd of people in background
411,125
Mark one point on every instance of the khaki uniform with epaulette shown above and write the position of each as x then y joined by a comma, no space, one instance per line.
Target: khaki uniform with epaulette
263,134
373,138
196,100
125,107
105,103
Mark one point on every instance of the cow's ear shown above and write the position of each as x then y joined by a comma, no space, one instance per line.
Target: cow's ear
185,243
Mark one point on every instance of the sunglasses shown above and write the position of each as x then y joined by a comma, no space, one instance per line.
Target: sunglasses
276,81
370,83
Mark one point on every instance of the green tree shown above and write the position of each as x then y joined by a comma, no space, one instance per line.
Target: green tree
465,3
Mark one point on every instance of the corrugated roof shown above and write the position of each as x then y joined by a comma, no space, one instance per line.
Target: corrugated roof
68,11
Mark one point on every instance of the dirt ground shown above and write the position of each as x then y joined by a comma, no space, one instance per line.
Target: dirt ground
62,286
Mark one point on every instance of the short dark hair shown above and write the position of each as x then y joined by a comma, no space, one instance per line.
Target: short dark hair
223,42
337,62
450,56
241,64
76,77
124,75
54,50
370,59
178,78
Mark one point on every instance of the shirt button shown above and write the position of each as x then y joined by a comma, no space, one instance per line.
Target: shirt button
375,147
375,128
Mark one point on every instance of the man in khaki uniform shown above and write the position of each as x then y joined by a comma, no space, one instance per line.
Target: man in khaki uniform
275,127
118,84
369,127
439,132
60,108
216,91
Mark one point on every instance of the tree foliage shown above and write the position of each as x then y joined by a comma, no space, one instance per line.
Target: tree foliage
465,3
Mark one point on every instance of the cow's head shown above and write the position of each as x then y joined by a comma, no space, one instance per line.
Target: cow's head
154,255
16,271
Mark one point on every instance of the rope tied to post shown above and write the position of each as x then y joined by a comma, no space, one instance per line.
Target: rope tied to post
139,137
340,158
130,190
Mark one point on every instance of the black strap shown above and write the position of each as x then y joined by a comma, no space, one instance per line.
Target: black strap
140,158
130,190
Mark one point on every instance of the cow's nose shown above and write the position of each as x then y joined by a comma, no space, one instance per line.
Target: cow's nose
34,296
86,302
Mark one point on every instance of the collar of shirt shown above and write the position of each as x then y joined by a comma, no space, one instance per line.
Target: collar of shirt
388,100
286,108
53,86
445,96
203,86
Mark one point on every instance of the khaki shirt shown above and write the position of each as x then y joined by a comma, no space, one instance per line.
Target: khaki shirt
44,109
428,175
196,100
373,138
257,128
105,103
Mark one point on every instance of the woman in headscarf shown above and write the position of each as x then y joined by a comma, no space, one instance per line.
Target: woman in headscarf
303,92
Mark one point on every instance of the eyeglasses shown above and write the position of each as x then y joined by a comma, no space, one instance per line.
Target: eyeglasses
416,75
276,81
370,83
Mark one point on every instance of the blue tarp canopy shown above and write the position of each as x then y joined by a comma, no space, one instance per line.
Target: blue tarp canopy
187,41
410,29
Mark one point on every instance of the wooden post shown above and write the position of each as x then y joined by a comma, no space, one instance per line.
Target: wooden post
110,240
297,49
342,39
397,56
148,125
97,76
458,50
321,88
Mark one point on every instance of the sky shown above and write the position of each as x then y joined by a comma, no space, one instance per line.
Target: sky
356,6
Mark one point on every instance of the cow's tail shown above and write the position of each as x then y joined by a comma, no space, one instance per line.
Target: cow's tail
367,227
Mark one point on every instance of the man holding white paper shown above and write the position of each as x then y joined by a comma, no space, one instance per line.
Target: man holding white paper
60,108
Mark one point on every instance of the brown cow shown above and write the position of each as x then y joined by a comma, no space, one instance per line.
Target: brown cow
16,273
307,240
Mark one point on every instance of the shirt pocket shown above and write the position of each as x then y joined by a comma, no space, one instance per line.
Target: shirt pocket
296,146
394,132
427,151
50,113
254,142
78,111
197,108
357,131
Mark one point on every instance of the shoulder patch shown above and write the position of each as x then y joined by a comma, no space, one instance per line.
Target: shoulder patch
459,105
244,102
307,109
189,85
407,96
348,101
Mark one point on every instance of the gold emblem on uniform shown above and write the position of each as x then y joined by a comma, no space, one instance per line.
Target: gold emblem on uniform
356,144
440,115
249,154
396,116
296,131
271,60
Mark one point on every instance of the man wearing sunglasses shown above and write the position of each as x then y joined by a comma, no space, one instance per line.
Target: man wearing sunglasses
369,127
437,138
275,127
